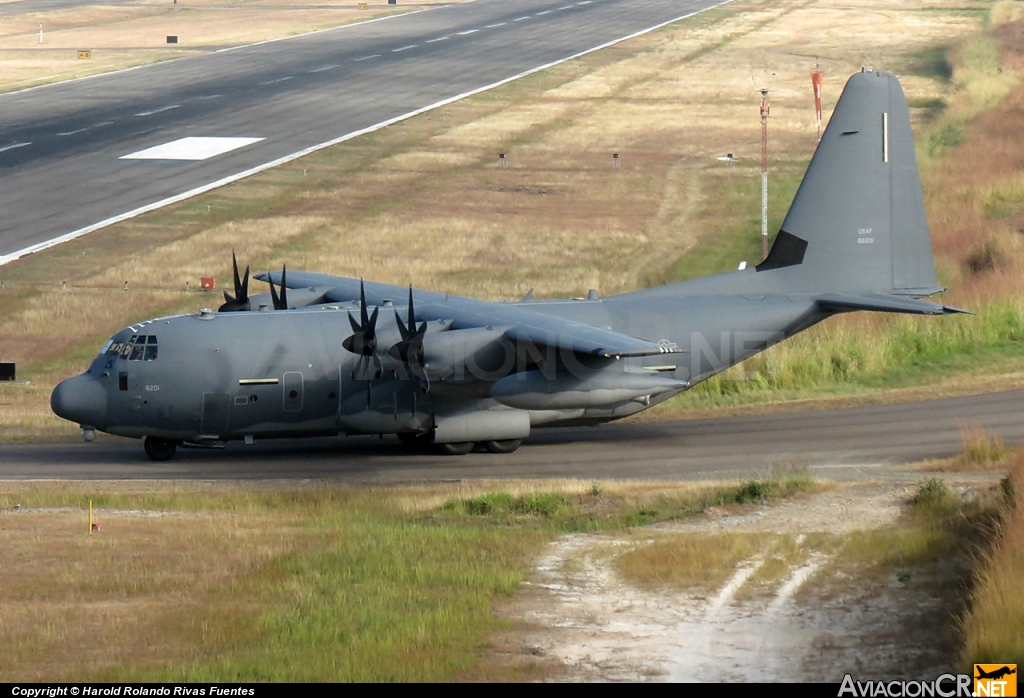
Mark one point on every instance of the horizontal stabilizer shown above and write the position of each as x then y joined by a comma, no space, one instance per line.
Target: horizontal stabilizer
884,303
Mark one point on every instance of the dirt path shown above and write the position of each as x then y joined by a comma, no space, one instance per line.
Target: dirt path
581,620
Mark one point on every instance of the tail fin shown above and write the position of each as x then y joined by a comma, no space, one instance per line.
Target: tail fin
858,221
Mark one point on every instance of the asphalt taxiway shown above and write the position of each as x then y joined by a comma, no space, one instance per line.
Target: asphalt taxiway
854,442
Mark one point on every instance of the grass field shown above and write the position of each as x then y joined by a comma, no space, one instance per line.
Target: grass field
217,582
209,582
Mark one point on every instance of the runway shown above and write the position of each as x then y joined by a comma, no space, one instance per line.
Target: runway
843,443
63,146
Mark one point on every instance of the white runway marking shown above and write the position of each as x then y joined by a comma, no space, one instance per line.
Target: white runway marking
323,68
545,12
470,31
13,146
567,7
520,19
492,26
585,2
271,82
366,58
191,148
204,97
102,123
440,38
157,111
71,133
404,48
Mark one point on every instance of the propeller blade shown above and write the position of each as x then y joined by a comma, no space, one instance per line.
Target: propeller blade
363,339
274,298
234,268
362,304
412,314
280,302
284,288
410,349
240,301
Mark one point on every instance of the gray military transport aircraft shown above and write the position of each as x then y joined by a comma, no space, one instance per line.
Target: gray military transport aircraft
334,356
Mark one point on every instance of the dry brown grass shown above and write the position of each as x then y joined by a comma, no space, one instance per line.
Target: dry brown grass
994,625
206,581
424,202
138,591
689,560
122,36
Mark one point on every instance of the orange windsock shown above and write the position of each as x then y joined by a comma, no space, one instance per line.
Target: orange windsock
816,78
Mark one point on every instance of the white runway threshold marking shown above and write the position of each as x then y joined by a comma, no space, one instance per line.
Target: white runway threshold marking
191,148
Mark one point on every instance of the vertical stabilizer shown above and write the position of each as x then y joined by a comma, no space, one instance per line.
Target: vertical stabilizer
858,219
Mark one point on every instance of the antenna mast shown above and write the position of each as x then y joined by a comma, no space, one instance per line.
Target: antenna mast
765,108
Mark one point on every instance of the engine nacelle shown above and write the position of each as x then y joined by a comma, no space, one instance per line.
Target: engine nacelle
486,425
476,354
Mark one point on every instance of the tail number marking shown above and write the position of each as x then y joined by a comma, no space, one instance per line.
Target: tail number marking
864,236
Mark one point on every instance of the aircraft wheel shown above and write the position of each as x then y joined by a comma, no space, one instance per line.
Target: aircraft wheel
159,449
416,441
503,446
455,449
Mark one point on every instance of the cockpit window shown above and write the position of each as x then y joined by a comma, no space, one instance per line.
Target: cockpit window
140,347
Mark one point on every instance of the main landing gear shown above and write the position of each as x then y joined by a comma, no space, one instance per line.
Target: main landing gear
425,441
159,449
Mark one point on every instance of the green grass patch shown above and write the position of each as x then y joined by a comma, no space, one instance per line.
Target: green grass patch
848,356
932,63
936,539
737,202
949,136
595,510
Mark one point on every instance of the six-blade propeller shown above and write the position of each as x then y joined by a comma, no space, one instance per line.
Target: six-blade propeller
410,349
362,341
239,301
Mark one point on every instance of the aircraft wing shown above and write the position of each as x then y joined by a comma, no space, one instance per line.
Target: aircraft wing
523,324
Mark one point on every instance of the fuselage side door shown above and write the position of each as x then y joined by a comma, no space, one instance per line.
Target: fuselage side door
216,411
292,393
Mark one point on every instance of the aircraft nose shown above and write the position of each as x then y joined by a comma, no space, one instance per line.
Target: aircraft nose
80,399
